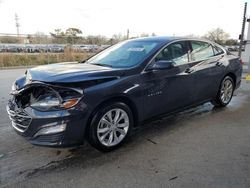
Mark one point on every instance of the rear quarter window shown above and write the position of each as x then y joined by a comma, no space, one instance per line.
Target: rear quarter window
201,50
217,50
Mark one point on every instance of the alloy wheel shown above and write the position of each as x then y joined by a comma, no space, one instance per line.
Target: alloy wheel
113,127
226,91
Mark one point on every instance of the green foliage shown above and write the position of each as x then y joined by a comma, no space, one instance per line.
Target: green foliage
58,36
73,32
70,36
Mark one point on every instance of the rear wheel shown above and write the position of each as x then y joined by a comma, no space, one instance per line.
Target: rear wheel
225,93
110,126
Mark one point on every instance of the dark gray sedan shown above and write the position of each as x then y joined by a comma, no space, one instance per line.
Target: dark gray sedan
104,98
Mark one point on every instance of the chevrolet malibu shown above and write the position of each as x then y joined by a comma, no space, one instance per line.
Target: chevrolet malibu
103,99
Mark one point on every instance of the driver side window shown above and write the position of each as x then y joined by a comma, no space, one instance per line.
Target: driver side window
175,52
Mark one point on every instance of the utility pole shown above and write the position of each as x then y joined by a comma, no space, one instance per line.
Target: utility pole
246,57
243,30
17,26
128,34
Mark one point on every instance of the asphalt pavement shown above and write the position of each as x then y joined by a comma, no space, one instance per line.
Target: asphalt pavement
200,147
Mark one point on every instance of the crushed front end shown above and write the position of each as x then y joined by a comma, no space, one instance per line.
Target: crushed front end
48,115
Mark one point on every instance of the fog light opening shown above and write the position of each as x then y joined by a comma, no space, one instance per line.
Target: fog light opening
51,130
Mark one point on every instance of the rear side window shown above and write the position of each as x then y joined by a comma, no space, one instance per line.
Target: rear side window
176,52
201,50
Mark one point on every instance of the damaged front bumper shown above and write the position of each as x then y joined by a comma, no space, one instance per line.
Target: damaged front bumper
55,128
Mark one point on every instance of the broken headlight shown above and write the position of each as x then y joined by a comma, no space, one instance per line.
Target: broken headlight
48,98
45,102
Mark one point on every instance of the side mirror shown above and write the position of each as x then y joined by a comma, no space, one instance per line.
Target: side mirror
161,64
83,61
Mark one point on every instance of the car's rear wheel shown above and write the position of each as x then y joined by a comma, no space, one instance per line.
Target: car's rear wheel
225,93
110,126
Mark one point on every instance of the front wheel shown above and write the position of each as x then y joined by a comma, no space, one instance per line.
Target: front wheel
110,126
225,93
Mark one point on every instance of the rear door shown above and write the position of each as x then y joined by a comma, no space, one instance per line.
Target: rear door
207,68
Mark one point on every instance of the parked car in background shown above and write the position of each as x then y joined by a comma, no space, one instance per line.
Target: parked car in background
234,48
53,48
105,98
2,49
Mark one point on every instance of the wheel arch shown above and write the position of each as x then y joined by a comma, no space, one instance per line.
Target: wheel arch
233,76
122,99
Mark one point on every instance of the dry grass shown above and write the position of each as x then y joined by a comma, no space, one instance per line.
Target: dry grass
26,59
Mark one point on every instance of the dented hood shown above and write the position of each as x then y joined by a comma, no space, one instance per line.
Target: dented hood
70,72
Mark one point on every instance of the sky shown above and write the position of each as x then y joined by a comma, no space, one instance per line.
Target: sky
108,17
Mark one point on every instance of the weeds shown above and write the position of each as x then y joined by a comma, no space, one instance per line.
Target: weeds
26,59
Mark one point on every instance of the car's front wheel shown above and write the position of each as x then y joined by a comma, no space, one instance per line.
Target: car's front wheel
225,93
110,126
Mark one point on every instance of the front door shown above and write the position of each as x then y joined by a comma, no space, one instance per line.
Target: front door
170,89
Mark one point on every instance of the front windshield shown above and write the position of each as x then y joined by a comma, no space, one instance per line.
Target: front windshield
125,54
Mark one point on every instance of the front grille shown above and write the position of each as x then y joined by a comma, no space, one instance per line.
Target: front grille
20,119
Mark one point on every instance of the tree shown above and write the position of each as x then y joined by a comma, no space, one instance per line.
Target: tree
38,38
144,35
217,35
117,38
231,42
9,39
69,36
73,31
98,40
72,35
58,36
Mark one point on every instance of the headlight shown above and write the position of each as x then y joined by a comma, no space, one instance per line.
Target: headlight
46,98
46,102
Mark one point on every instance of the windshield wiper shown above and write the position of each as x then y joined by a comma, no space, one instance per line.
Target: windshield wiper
103,65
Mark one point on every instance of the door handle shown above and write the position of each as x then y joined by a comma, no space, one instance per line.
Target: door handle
219,64
189,70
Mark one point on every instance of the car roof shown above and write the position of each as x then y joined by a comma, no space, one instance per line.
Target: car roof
167,39
157,39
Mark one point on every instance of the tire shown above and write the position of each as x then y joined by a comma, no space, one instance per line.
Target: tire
110,127
225,92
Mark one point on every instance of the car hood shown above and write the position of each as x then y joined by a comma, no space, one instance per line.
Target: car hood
70,72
